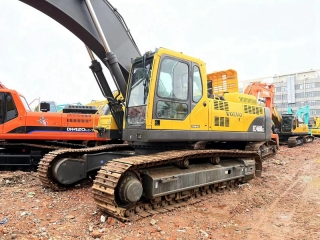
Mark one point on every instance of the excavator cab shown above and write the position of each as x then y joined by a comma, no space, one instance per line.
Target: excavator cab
168,103
163,89
8,110
288,123
2,110
292,124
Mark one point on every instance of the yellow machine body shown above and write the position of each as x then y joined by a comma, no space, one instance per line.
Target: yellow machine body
196,115
315,129
107,127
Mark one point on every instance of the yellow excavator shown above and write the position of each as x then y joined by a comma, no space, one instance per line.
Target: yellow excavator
315,129
181,140
164,112
287,129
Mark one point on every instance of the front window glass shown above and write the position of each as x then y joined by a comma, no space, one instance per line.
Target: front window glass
173,80
25,104
138,92
139,83
287,121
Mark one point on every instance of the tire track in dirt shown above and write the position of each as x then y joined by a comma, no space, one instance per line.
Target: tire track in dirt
286,206
307,216
275,203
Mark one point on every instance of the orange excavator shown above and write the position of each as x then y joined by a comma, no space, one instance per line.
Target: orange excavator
265,94
26,135
285,129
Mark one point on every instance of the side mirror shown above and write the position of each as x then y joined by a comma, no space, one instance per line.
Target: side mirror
44,107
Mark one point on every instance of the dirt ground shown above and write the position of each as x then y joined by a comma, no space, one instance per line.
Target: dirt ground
283,204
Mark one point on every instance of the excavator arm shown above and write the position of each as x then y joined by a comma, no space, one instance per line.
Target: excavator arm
266,92
262,90
304,113
75,16
102,29
276,118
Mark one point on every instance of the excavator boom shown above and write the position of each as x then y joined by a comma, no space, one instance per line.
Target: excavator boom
74,15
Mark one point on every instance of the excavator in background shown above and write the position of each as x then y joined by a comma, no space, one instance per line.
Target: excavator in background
293,131
303,114
181,141
264,94
287,128
59,107
101,105
54,107
315,128
26,136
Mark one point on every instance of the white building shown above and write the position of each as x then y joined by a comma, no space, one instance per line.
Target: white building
294,90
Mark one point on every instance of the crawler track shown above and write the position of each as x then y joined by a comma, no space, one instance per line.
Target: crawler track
299,140
106,181
264,149
46,162
105,184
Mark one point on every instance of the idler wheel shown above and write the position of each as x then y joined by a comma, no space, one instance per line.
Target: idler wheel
129,189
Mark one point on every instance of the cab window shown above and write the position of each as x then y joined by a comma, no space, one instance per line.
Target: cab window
173,89
11,110
173,81
197,84
1,107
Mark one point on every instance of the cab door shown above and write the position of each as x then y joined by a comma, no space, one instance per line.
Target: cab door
13,123
199,103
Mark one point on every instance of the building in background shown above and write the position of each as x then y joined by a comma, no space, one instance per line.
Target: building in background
294,90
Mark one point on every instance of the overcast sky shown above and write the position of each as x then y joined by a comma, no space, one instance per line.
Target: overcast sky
257,38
